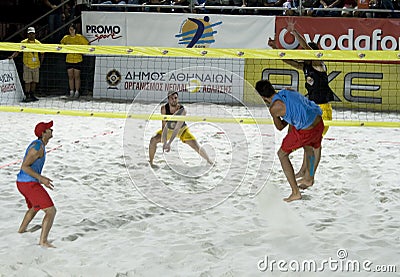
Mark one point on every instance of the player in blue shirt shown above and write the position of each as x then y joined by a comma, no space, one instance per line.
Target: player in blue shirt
304,116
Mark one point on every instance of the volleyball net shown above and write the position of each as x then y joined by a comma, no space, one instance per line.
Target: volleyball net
217,84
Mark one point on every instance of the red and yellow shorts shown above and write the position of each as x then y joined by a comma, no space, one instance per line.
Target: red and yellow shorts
184,134
35,195
326,114
298,138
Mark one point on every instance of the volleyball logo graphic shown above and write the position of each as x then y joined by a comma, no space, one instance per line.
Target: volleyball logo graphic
194,85
197,32
113,78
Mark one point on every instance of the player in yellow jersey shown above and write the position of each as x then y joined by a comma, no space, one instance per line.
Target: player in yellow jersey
74,61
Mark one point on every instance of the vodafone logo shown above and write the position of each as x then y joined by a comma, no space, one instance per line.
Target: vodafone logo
373,41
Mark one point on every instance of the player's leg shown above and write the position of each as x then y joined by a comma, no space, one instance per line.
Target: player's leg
289,173
27,76
195,145
77,78
47,223
153,146
308,179
35,80
71,82
29,215
317,154
26,190
303,167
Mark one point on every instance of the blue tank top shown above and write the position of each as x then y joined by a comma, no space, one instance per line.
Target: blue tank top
37,165
300,112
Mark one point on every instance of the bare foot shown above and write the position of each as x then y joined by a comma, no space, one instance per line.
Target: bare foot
154,166
305,183
300,174
46,244
211,162
293,197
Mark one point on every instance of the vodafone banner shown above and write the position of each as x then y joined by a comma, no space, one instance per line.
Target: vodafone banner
177,29
341,34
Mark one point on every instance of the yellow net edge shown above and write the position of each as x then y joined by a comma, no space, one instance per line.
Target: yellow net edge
347,55
242,120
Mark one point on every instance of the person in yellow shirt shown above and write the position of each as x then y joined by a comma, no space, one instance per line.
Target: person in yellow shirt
74,61
31,67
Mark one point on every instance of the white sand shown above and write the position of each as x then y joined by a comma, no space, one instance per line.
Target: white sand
105,226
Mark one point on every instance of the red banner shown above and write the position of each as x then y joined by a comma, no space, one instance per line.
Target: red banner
341,33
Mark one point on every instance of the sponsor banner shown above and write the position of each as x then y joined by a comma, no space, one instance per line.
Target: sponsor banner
177,30
356,85
344,34
111,31
10,86
150,79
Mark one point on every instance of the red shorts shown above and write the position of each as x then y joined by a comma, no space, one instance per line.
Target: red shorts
35,195
298,138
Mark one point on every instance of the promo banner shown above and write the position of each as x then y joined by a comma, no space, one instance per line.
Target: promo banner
343,34
10,86
151,78
177,29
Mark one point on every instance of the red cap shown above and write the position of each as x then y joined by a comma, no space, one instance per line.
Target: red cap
41,127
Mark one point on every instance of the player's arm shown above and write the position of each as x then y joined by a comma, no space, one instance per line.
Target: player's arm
278,110
13,55
163,127
295,64
298,65
318,65
178,124
303,43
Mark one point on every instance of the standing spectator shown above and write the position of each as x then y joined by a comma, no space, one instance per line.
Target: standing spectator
81,5
289,4
29,180
327,4
349,4
273,4
74,61
31,67
115,4
55,18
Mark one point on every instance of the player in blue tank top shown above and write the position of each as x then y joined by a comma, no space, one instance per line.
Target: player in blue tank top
29,180
291,108
37,165
300,112
317,85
